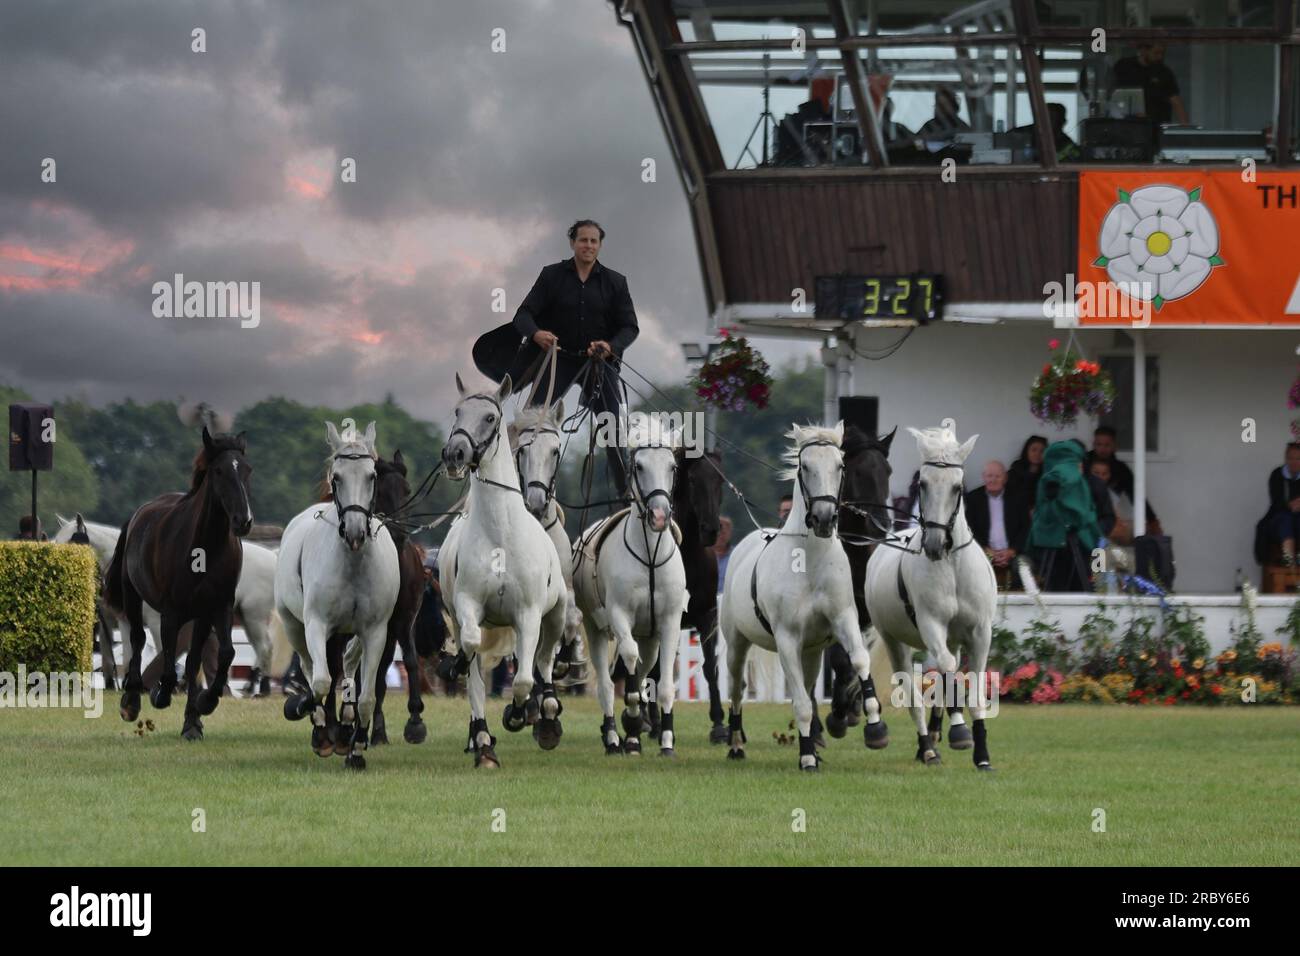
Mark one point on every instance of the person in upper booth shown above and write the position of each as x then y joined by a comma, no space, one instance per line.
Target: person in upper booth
581,307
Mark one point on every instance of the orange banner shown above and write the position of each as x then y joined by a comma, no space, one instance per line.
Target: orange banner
1188,248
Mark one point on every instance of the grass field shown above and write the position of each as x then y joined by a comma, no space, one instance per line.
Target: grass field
1179,786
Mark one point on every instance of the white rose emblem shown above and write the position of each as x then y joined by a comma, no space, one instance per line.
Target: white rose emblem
1160,242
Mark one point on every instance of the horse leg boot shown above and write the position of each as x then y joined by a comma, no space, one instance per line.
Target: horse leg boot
959,735
484,744
858,660
737,651
632,726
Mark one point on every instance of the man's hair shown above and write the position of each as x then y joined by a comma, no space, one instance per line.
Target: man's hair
1104,462
573,230
944,93
789,498
1289,446
1104,430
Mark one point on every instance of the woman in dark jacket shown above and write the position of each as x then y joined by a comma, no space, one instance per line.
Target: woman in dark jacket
1284,504
1025,471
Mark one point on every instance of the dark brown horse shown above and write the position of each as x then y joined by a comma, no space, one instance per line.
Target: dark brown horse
697,502
181,554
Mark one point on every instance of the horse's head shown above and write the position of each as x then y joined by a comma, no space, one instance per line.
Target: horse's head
223,466
535,437
818,470
477,429
652,469
353,480
392,490
940,495
698,496
866,477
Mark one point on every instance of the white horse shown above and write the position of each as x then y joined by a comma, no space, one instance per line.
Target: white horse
791,591
535,440
939,597
498,567
630,583
338,573
254,595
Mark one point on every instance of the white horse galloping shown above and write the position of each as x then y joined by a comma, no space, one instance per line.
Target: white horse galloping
791,591
498,567
337,573
630,583
938,598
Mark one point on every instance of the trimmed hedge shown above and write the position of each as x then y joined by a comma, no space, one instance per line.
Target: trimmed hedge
47,606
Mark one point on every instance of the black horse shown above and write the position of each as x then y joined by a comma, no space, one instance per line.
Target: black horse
181,553
864,512
391,492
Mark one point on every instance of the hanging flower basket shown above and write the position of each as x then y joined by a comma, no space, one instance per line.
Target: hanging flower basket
1293,402
1068,386
734,377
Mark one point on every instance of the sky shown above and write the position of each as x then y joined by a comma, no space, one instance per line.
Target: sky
225,166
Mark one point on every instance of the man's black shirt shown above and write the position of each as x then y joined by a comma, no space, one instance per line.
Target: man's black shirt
1157,82
579,313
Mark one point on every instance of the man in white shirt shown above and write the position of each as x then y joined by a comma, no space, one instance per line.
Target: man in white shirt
998,519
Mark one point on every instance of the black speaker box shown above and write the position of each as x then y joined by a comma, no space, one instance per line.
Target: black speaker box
861,410
26,450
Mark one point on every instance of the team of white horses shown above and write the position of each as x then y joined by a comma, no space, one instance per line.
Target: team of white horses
512,585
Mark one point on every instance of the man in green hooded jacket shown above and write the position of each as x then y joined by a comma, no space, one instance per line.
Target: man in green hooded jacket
1065,528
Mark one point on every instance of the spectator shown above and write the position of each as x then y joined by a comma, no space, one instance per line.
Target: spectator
783,509
1100,493
1027,469
1064,529
946,123
25,524
1283,516
722,548
998,517
1122,531
1147,72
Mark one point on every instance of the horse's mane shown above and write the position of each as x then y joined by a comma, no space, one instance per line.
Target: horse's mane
937,444
220,443
856,441
649,432
531,416
802,435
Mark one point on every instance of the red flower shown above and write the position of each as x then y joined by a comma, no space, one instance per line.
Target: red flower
1186,694
1216,690
1054,343
1168,700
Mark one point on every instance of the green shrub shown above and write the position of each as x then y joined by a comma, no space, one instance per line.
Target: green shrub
47,606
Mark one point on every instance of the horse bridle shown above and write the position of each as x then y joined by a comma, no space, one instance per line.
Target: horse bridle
477,447
344,509
808,501
639,498
952,518
547,489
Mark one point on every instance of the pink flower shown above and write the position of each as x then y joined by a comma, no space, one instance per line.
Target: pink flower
1025,672
1045,693
1055,343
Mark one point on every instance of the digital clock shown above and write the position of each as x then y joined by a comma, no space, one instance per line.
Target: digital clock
916,298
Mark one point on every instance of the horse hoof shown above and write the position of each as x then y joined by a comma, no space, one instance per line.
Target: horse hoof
192,731
160,698
548,732
930,758
735,754
486,759
959,738
632,747
378,737
668,752
984,767
416,731
837,726
129,708
513,720
321,744
207,702
719,734
614,750
854,717
355,762
811,768
532,711
876,736
297,707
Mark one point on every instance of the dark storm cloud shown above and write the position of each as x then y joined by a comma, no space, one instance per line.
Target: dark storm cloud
223,166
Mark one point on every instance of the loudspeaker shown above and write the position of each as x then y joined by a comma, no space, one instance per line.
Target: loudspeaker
860,410
26,450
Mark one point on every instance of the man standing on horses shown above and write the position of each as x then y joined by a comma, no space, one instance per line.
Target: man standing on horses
582,308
